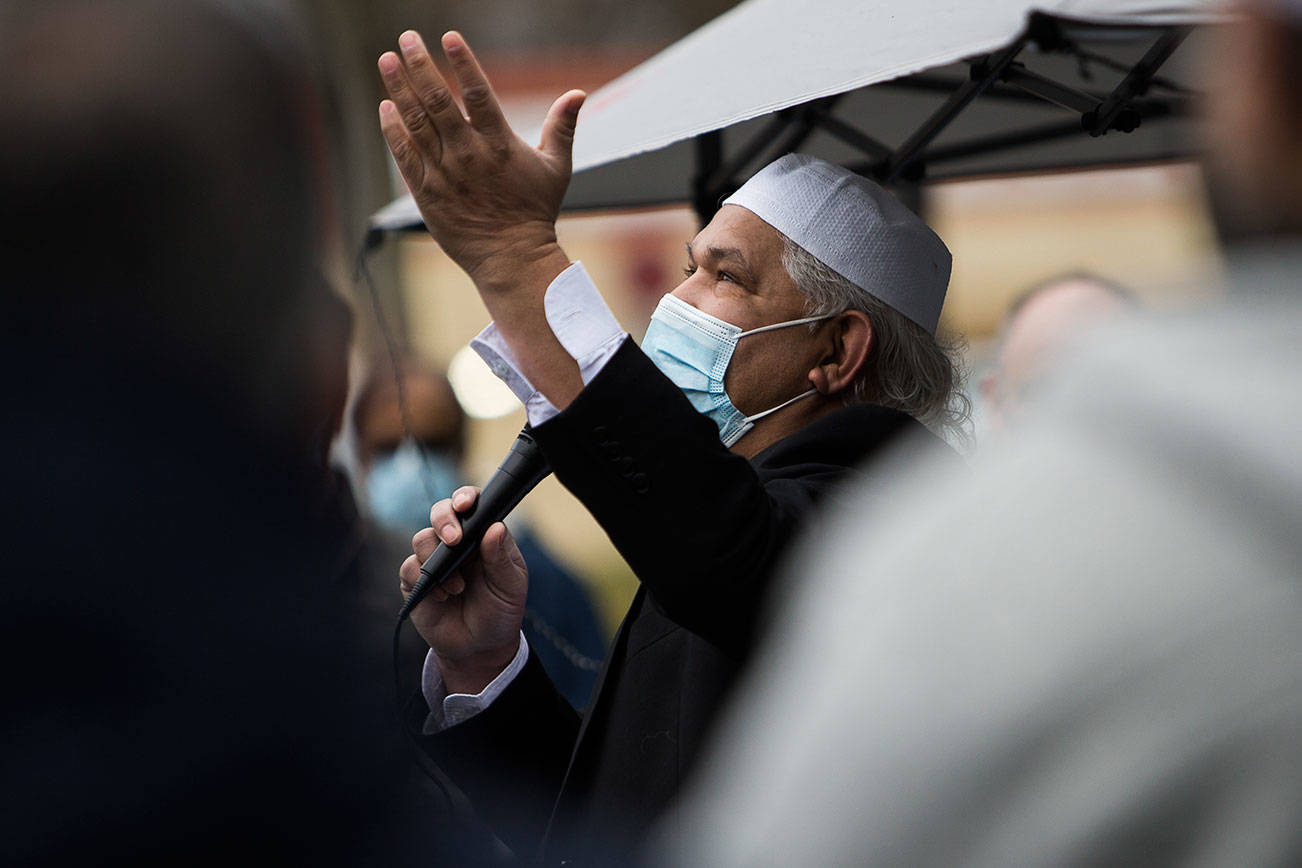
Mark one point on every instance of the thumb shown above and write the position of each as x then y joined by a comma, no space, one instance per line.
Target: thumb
558,128
503,562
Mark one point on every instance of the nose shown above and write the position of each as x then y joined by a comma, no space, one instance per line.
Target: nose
692,290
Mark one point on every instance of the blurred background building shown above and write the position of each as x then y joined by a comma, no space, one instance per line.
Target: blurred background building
1146,226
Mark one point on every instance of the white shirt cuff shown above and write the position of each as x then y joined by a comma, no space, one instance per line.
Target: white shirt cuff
581,321
447,710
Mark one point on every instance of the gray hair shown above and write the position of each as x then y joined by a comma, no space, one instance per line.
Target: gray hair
907,369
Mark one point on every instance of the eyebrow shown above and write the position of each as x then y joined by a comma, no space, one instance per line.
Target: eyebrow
725,254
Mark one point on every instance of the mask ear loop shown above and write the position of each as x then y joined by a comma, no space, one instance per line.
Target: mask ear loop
774,327
786,403
783,325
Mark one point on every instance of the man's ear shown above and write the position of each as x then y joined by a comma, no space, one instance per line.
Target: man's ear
849,341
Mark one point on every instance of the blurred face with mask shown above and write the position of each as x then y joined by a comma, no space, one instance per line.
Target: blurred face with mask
408,467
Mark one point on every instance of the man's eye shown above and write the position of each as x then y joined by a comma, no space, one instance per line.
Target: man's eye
723,275
689,270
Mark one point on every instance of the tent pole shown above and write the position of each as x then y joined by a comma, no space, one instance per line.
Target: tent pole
709,156
811,115
984,73
1049,90
947,84
724,173
856,138
999,141
1116,111
785,132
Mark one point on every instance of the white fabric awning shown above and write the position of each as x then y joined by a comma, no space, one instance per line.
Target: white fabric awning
767,55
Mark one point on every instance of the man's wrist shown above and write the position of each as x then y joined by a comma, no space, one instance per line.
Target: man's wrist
470,675
529,258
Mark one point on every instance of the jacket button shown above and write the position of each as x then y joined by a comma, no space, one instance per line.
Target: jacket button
641,483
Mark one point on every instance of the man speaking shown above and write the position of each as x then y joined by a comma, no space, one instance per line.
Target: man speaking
800,343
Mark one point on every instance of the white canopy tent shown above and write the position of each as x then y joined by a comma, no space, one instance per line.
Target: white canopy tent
845,78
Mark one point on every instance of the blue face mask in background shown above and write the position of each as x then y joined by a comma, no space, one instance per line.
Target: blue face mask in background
693,350
402,486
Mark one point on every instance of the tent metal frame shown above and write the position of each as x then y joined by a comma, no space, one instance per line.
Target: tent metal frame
1142,95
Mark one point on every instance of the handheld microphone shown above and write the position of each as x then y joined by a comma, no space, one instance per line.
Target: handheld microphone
523,468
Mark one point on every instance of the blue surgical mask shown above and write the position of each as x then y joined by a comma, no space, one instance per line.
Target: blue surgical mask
402,486
693,350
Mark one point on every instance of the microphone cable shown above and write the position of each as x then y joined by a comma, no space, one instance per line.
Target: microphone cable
363,277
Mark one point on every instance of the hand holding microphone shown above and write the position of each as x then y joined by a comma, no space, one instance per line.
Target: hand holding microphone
472,621
474,574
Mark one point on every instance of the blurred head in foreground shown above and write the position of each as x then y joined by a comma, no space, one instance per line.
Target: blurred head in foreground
172,618
1042,325
163,168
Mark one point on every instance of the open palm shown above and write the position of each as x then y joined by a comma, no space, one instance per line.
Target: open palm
482,190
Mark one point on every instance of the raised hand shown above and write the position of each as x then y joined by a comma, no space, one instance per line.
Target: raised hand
489,198
472,622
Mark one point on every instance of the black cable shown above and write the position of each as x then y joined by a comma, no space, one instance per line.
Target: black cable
363,277
398,707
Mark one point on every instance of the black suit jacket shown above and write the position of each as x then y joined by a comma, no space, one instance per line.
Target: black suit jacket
703,530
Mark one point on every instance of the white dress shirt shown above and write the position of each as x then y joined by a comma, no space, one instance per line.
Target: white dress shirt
581,321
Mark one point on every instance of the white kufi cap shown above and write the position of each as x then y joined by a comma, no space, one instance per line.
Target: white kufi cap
855,228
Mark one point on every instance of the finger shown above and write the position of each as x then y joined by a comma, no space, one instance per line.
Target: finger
464,497
558,129
476,92
455,584
499,551
409,574
401,146
424,543
411,109
439,595
513,553
443,519
431,89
